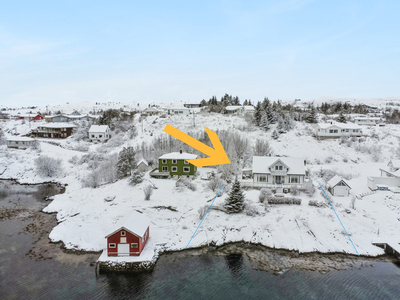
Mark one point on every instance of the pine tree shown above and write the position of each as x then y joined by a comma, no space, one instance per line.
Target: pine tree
281,125
341,118
126,162
312,116
257,114
235,202
264,123
275,135
245,102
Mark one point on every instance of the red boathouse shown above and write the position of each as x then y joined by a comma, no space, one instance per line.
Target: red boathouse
129,236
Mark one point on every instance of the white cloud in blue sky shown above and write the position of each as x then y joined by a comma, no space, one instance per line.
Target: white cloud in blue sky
184,50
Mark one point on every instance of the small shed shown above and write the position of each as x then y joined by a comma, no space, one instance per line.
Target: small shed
99,133
128,235
337,186
20,142
143,165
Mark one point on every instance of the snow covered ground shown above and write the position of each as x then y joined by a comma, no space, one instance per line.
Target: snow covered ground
85,218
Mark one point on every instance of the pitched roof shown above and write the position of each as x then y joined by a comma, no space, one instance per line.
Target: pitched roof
335,180
98,128
20,139
233,107
249,108
135,222
395,163
178,155
340,125
57,125
143,161
295,164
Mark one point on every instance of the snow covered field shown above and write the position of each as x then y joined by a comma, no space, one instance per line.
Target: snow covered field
85,218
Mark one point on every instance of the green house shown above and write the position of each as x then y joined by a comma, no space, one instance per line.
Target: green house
175,164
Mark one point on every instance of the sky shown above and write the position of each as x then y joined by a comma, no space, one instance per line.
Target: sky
53,52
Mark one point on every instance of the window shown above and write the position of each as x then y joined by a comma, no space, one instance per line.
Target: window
165,169
134,245
280,167
347,130
174,169
355,130
92,135
174,161
262,178
276,167
123,233
186,163
123,240
111,245
335,131
186,169
330,130
100,136
164,161
294,179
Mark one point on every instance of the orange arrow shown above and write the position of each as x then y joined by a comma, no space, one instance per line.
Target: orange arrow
217,156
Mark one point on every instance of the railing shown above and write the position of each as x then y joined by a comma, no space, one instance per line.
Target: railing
156,173
278,173
274,185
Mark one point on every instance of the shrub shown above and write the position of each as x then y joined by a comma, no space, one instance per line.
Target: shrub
202,211
186,182
316,203
136,177
48,167
309,190
264,193
250,210
74,160
92,159
294,190
148,191
284,200
215,183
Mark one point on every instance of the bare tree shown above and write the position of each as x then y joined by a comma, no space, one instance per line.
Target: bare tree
240,145
48,167
262,148
202,211
148,191
215,183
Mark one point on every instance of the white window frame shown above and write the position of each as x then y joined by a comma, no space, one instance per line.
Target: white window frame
123,240
133,245
164,161
174,161
110,245
262,178
123,233
165,169
174,169
187,168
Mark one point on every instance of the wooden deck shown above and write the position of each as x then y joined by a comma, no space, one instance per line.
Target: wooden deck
390,247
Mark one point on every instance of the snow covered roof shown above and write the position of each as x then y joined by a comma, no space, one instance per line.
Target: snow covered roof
233,107
249,108
262,163
153,109
179,108
58,125
395,163
340,125
135,222
367,118
143,161
335,180
178,155
20,139
98,128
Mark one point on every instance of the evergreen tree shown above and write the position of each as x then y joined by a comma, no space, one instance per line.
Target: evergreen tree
266,104
275,135
258,114
235,202
245,102
235,101
341,118
250,102
126,162
280,127
312,116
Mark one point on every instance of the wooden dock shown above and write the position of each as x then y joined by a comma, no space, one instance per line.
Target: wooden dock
391,248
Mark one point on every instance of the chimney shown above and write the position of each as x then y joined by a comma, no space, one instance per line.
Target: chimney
180,151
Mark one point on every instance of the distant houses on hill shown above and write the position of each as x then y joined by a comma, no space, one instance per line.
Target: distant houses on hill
70,118
56,131
20,142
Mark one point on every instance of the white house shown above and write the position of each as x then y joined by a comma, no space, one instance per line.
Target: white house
179,111
142,165
284,172
20,142
367,120
239,109
390,177
99,133
337,130
337,186
151,111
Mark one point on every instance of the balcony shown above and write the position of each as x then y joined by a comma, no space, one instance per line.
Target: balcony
278,173
156,173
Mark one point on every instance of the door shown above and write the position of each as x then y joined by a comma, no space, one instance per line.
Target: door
341,191
123,249
278,179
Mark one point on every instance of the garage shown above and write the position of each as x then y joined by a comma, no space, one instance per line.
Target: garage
123,249
337,186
